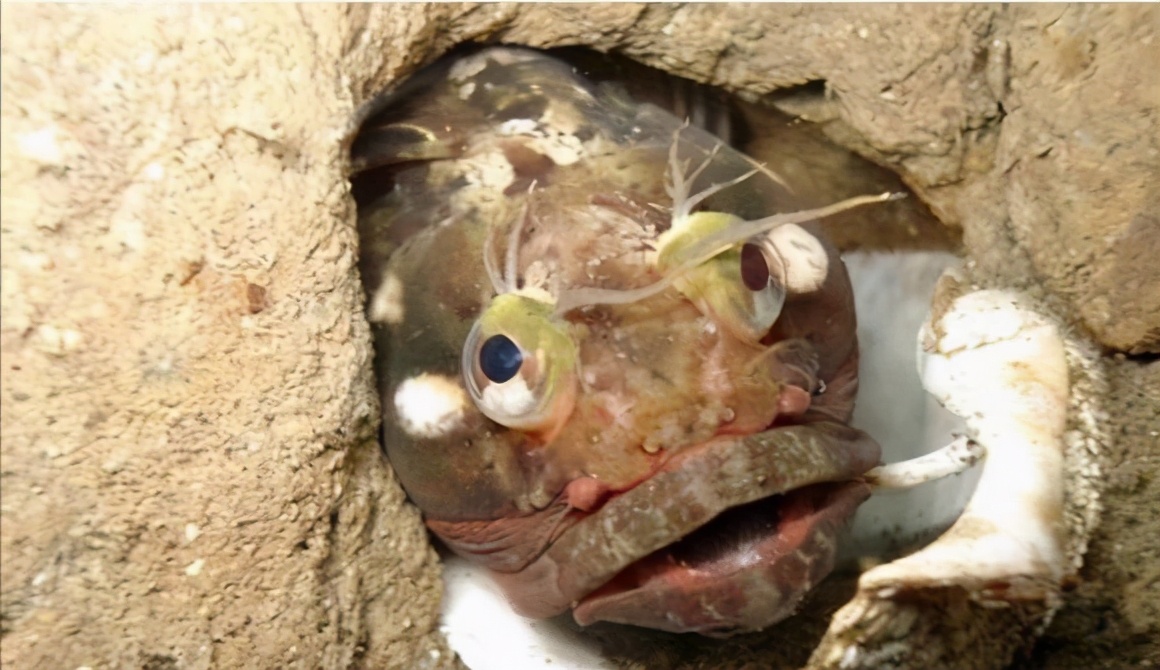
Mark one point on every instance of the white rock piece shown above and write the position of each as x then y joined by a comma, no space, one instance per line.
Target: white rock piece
1001,366
1024,387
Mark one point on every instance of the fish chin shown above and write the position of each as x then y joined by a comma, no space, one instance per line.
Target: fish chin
725,537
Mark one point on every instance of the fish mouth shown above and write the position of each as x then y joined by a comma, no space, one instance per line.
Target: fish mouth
747,568
725,537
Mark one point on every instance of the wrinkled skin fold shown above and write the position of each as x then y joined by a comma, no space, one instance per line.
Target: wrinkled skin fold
696,479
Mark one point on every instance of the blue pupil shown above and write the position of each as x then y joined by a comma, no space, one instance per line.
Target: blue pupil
500,358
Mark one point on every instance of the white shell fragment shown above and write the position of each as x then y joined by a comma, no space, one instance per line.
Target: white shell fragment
1025,390
952,459
1000,366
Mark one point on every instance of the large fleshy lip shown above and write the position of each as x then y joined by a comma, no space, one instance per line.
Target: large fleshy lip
748,568
688,492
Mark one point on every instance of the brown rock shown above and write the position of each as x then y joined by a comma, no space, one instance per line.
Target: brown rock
191,475
191,468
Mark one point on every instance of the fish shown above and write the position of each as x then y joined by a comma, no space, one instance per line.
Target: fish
617,362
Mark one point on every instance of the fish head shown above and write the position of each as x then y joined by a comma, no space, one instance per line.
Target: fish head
596,341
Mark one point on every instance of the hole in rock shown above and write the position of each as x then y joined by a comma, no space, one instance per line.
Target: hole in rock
894,252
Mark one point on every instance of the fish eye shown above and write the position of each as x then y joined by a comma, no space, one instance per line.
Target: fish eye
742,289
519,366
500,358
754,267
763,273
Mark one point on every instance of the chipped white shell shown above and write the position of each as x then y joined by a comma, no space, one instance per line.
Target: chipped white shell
1029,391
1000,365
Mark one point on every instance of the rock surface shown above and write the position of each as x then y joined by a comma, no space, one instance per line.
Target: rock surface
191,476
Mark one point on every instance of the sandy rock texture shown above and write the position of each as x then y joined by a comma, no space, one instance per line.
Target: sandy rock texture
190,472
191,469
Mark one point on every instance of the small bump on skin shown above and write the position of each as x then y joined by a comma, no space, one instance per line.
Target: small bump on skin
430,405
806,262
387,302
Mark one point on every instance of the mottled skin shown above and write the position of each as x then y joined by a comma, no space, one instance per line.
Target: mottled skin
675,419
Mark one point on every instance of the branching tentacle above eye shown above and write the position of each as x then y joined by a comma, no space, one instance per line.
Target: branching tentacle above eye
687,206
739,231
511,266
507,280
715,243
489,263
709,244
519,361
678,185
704,250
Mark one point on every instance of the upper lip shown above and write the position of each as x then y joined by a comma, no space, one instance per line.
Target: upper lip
687,492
